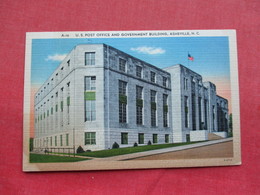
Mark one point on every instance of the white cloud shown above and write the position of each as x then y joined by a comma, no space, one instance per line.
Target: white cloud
56,57
149,50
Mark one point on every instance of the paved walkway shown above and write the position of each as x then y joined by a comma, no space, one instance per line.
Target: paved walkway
219,150
160,151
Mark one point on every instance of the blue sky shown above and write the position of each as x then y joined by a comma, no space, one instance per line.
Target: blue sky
211,54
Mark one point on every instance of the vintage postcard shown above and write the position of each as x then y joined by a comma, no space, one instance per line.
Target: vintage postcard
130,100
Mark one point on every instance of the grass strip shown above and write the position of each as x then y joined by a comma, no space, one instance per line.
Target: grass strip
44,158
130,150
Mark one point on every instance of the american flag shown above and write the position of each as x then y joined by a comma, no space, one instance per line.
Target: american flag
190,57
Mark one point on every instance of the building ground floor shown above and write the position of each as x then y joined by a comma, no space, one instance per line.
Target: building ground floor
99,139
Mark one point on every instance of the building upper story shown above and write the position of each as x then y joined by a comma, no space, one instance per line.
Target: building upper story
106,57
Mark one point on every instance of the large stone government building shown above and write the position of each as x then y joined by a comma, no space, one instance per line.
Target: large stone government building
100,95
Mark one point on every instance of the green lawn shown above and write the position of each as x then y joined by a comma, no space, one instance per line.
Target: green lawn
129,150
43,158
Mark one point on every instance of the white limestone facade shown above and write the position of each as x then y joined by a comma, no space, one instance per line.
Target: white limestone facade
99,96
194,106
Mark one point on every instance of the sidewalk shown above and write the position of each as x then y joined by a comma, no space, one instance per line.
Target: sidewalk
160,151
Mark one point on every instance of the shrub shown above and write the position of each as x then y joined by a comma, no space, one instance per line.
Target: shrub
149,143
115,145
135,144
80,150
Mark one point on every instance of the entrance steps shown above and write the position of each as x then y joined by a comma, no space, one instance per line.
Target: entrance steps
213,136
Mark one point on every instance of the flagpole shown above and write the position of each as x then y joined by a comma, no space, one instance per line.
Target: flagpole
188,59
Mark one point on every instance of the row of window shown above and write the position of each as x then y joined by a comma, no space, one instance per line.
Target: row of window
52,106
193,84
90,138
139,72
90,61
52,110
56,95
90,102
202,125
53,82
53,141
124,138
122,88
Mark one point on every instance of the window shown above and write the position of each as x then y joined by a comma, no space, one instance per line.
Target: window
164,81
90,83
56,78
193,107
153,108
185,80
165,99
153,118
139,70
50,141
122,112
122,87
139,115
200,119
186,110
155,138
192,84
152,76
205,114
140,138
61,72
90,98
122,65
122,101
55,140
166,138
124,138
165,110
68,110
139,105
153,96
90,109
187,137
61,106
213,116
61,140
67,139
139,92
89,58
90,138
